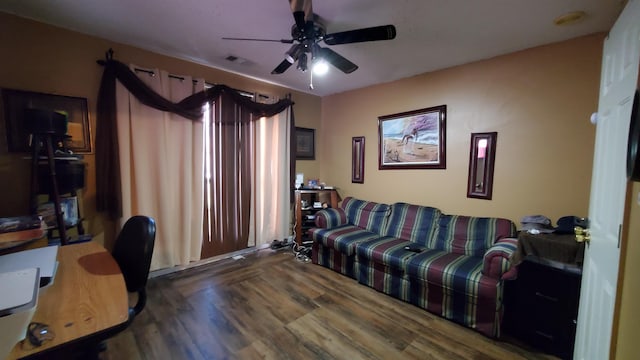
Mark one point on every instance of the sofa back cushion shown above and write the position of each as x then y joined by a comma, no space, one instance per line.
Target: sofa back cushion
470,235
365,214
412,222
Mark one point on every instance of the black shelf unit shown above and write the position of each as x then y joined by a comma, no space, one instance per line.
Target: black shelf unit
307,221
307,204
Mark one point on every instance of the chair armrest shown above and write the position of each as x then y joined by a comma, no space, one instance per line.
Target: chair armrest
497,260
330,218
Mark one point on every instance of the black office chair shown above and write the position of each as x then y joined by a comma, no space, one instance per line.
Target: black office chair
132,252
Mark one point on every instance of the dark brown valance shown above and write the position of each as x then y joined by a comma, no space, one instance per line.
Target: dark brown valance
108,187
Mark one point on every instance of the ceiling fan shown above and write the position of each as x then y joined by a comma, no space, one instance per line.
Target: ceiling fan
307,32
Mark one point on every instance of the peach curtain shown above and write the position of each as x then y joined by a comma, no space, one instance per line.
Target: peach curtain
270,210
161,166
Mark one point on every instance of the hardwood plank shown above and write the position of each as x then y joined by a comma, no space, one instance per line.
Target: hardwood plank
123,346
333,337
150,343
257,350
271,306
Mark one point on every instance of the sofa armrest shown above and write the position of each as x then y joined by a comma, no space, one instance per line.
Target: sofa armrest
497,260
330,218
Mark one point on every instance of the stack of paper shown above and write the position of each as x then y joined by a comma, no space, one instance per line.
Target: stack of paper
43,258
18,302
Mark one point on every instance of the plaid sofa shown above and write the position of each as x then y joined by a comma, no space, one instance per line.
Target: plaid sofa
457,273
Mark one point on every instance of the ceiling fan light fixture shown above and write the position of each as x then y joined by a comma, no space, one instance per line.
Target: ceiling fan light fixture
320,67
302,62
293,53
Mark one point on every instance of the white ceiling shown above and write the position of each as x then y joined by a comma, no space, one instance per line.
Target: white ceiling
431,34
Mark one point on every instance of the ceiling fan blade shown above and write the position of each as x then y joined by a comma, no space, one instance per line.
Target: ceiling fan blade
384,32
338,60
284,41
284,65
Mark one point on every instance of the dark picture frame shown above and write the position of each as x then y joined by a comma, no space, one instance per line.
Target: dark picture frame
482,157
357,159
413,139
14,102
305,144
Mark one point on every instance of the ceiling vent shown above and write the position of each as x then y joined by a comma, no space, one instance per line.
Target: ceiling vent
570,18
236,59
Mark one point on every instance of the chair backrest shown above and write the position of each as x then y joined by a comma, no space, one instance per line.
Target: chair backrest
133,250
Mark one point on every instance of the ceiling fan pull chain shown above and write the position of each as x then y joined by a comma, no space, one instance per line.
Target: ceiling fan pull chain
310,80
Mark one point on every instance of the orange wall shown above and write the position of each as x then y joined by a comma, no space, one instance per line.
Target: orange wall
43,58
538,100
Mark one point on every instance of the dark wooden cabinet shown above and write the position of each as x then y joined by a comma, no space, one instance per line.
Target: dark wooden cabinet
307,203
541,306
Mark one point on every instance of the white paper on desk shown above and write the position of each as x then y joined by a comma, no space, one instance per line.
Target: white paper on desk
17,289
18,302
43,258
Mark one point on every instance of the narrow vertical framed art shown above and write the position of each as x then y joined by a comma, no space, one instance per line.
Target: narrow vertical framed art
357,159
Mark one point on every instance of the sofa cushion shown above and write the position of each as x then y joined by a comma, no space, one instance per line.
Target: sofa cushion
386,250
342,238
367,215
456,272
412,222
333,259
453,286
469,235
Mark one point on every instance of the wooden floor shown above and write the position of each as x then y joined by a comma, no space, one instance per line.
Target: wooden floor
271,306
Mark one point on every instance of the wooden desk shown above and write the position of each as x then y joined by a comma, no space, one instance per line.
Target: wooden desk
88,296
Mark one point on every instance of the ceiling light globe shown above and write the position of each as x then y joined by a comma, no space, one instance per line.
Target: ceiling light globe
320,68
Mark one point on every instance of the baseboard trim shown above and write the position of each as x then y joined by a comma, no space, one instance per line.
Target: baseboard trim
171,270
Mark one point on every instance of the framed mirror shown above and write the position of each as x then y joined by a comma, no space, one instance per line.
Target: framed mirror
357,159
482,156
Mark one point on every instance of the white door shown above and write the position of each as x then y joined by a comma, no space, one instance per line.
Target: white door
608,186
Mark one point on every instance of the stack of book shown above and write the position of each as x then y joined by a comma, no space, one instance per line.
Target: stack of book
20,229
68,207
